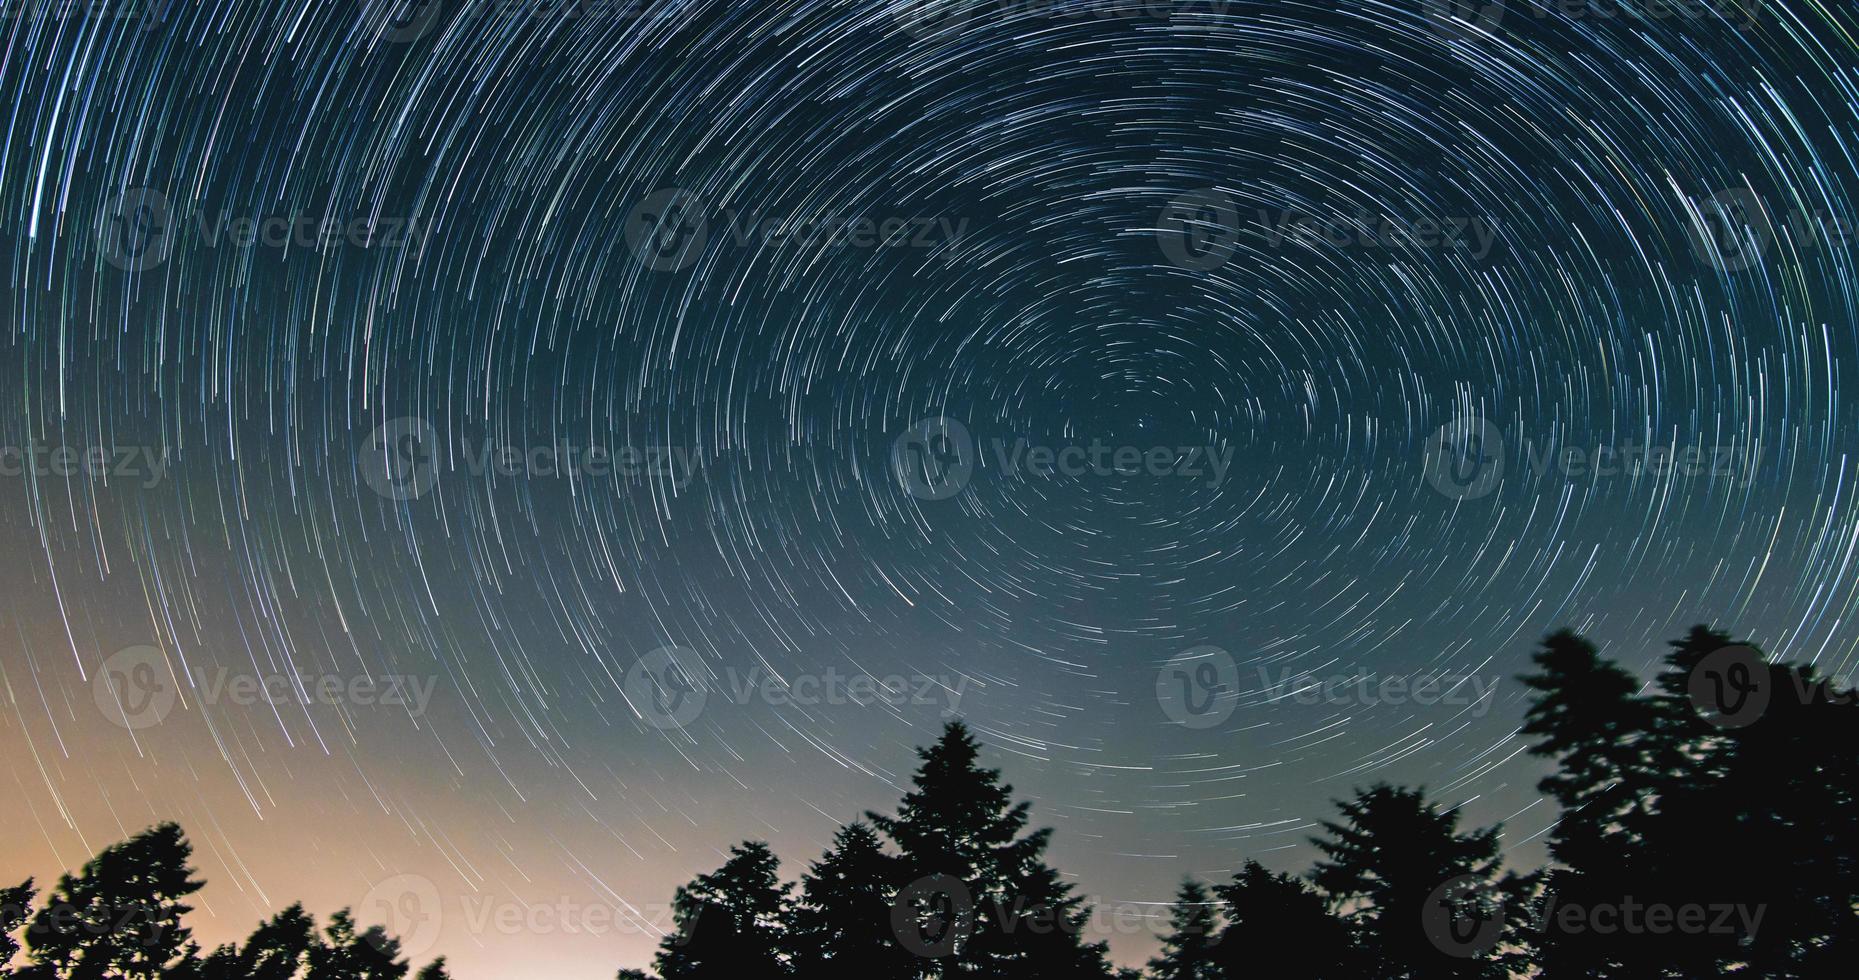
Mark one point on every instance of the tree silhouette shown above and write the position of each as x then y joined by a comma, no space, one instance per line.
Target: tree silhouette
347,955
1193,932
842,920
730,921
15,909
1614,763
1278,926
1386,864
1666,801
277,950
120,917
1013,916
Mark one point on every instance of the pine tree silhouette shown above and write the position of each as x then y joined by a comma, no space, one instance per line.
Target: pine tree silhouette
730,921
1278,927
842,919
1193,932
1666,801
1009,912
1385,865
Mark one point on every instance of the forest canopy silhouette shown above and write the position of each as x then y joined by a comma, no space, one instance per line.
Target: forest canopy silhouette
1708,827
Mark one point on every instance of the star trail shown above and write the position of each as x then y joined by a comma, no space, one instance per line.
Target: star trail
1208,401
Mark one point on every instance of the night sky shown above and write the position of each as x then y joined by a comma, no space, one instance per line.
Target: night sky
461,457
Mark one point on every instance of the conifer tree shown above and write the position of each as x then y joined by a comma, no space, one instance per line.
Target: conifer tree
730,921
1278,926
959,821
842,919
1193,932
1387,862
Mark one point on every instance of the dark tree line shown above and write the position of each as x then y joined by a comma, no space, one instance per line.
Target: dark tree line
1708,827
